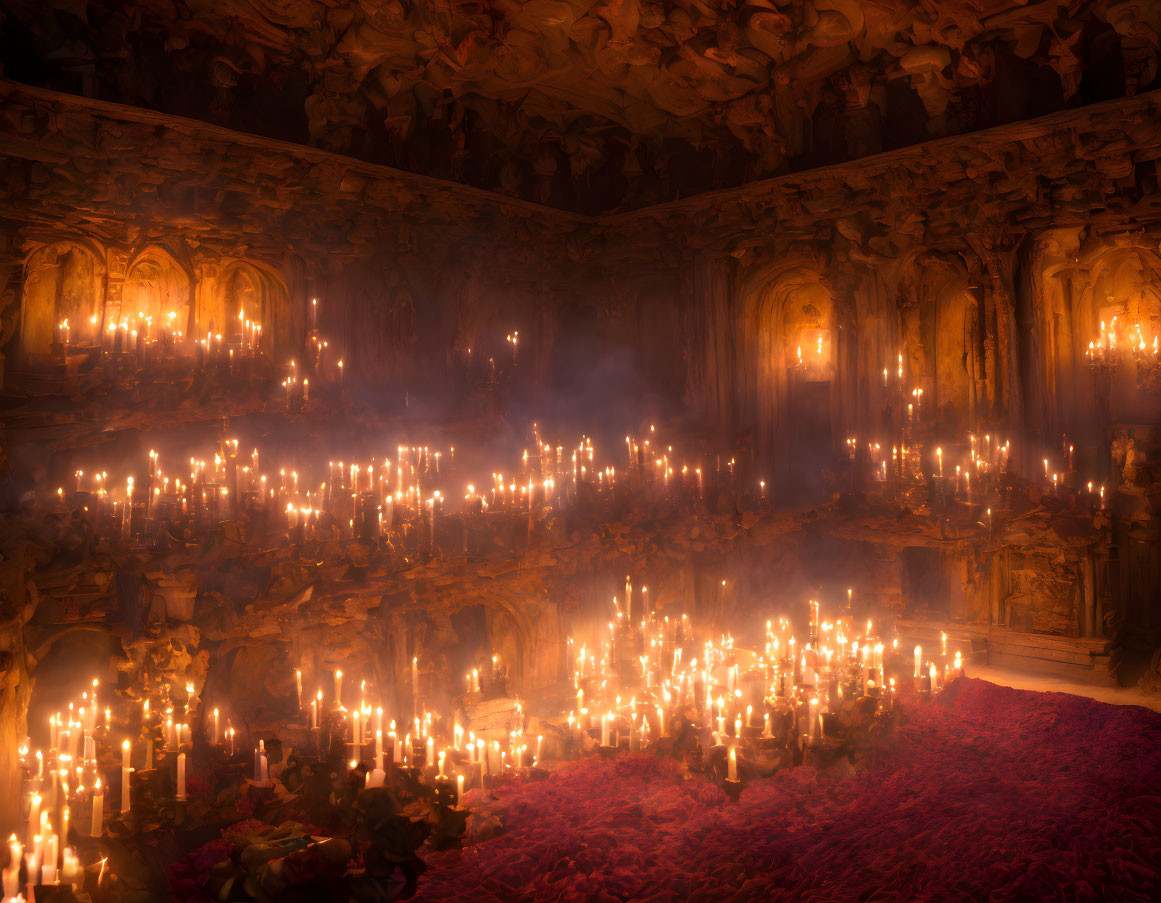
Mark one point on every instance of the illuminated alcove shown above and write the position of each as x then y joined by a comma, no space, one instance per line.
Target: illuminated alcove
245,292
1101,329
63,281
942,323
795,332
156,293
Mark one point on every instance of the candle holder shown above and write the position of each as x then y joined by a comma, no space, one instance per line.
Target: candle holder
607,752
445,793
450,827
733,789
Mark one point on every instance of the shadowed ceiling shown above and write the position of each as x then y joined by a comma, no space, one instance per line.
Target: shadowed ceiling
592,106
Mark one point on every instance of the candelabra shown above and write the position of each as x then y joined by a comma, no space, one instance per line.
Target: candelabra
1108,351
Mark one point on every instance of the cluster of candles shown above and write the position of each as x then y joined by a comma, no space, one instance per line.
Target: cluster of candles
144,334
1108,348
815,356
320,361
57,782
65,779
645,679
648,676
369,497
971,472
437,748
980,465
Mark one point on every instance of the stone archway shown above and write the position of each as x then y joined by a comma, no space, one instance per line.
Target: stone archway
62,281
943,341
157,293
798,360
246,291
1122,291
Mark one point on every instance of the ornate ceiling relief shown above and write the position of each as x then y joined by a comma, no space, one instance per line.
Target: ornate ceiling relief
593,106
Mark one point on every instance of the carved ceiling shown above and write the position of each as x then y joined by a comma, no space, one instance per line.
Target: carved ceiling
588,105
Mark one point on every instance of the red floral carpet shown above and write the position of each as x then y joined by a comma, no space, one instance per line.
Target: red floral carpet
988,794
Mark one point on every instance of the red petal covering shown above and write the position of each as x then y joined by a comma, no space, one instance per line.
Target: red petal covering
989,794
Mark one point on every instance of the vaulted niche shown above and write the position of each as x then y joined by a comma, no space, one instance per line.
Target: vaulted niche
156,294
799,344
64,281
247,302
1120,316
1100,333
942,324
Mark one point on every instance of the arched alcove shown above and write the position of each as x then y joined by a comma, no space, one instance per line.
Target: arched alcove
1123,283
62,281
248,291
1122,290
944,339
958,358
797,361
157,290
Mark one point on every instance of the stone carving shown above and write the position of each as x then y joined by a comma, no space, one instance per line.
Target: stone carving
500,96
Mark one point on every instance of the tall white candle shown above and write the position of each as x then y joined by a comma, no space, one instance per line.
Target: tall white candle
32,864
48,863
11,877
732,773
126,748
97,822
33,816
181,776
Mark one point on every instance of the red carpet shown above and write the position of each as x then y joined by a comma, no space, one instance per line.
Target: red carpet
989,794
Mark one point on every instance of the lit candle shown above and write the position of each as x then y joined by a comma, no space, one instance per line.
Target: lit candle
32,864
11,876
126,748
97,823
732,774
48,863
181,777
